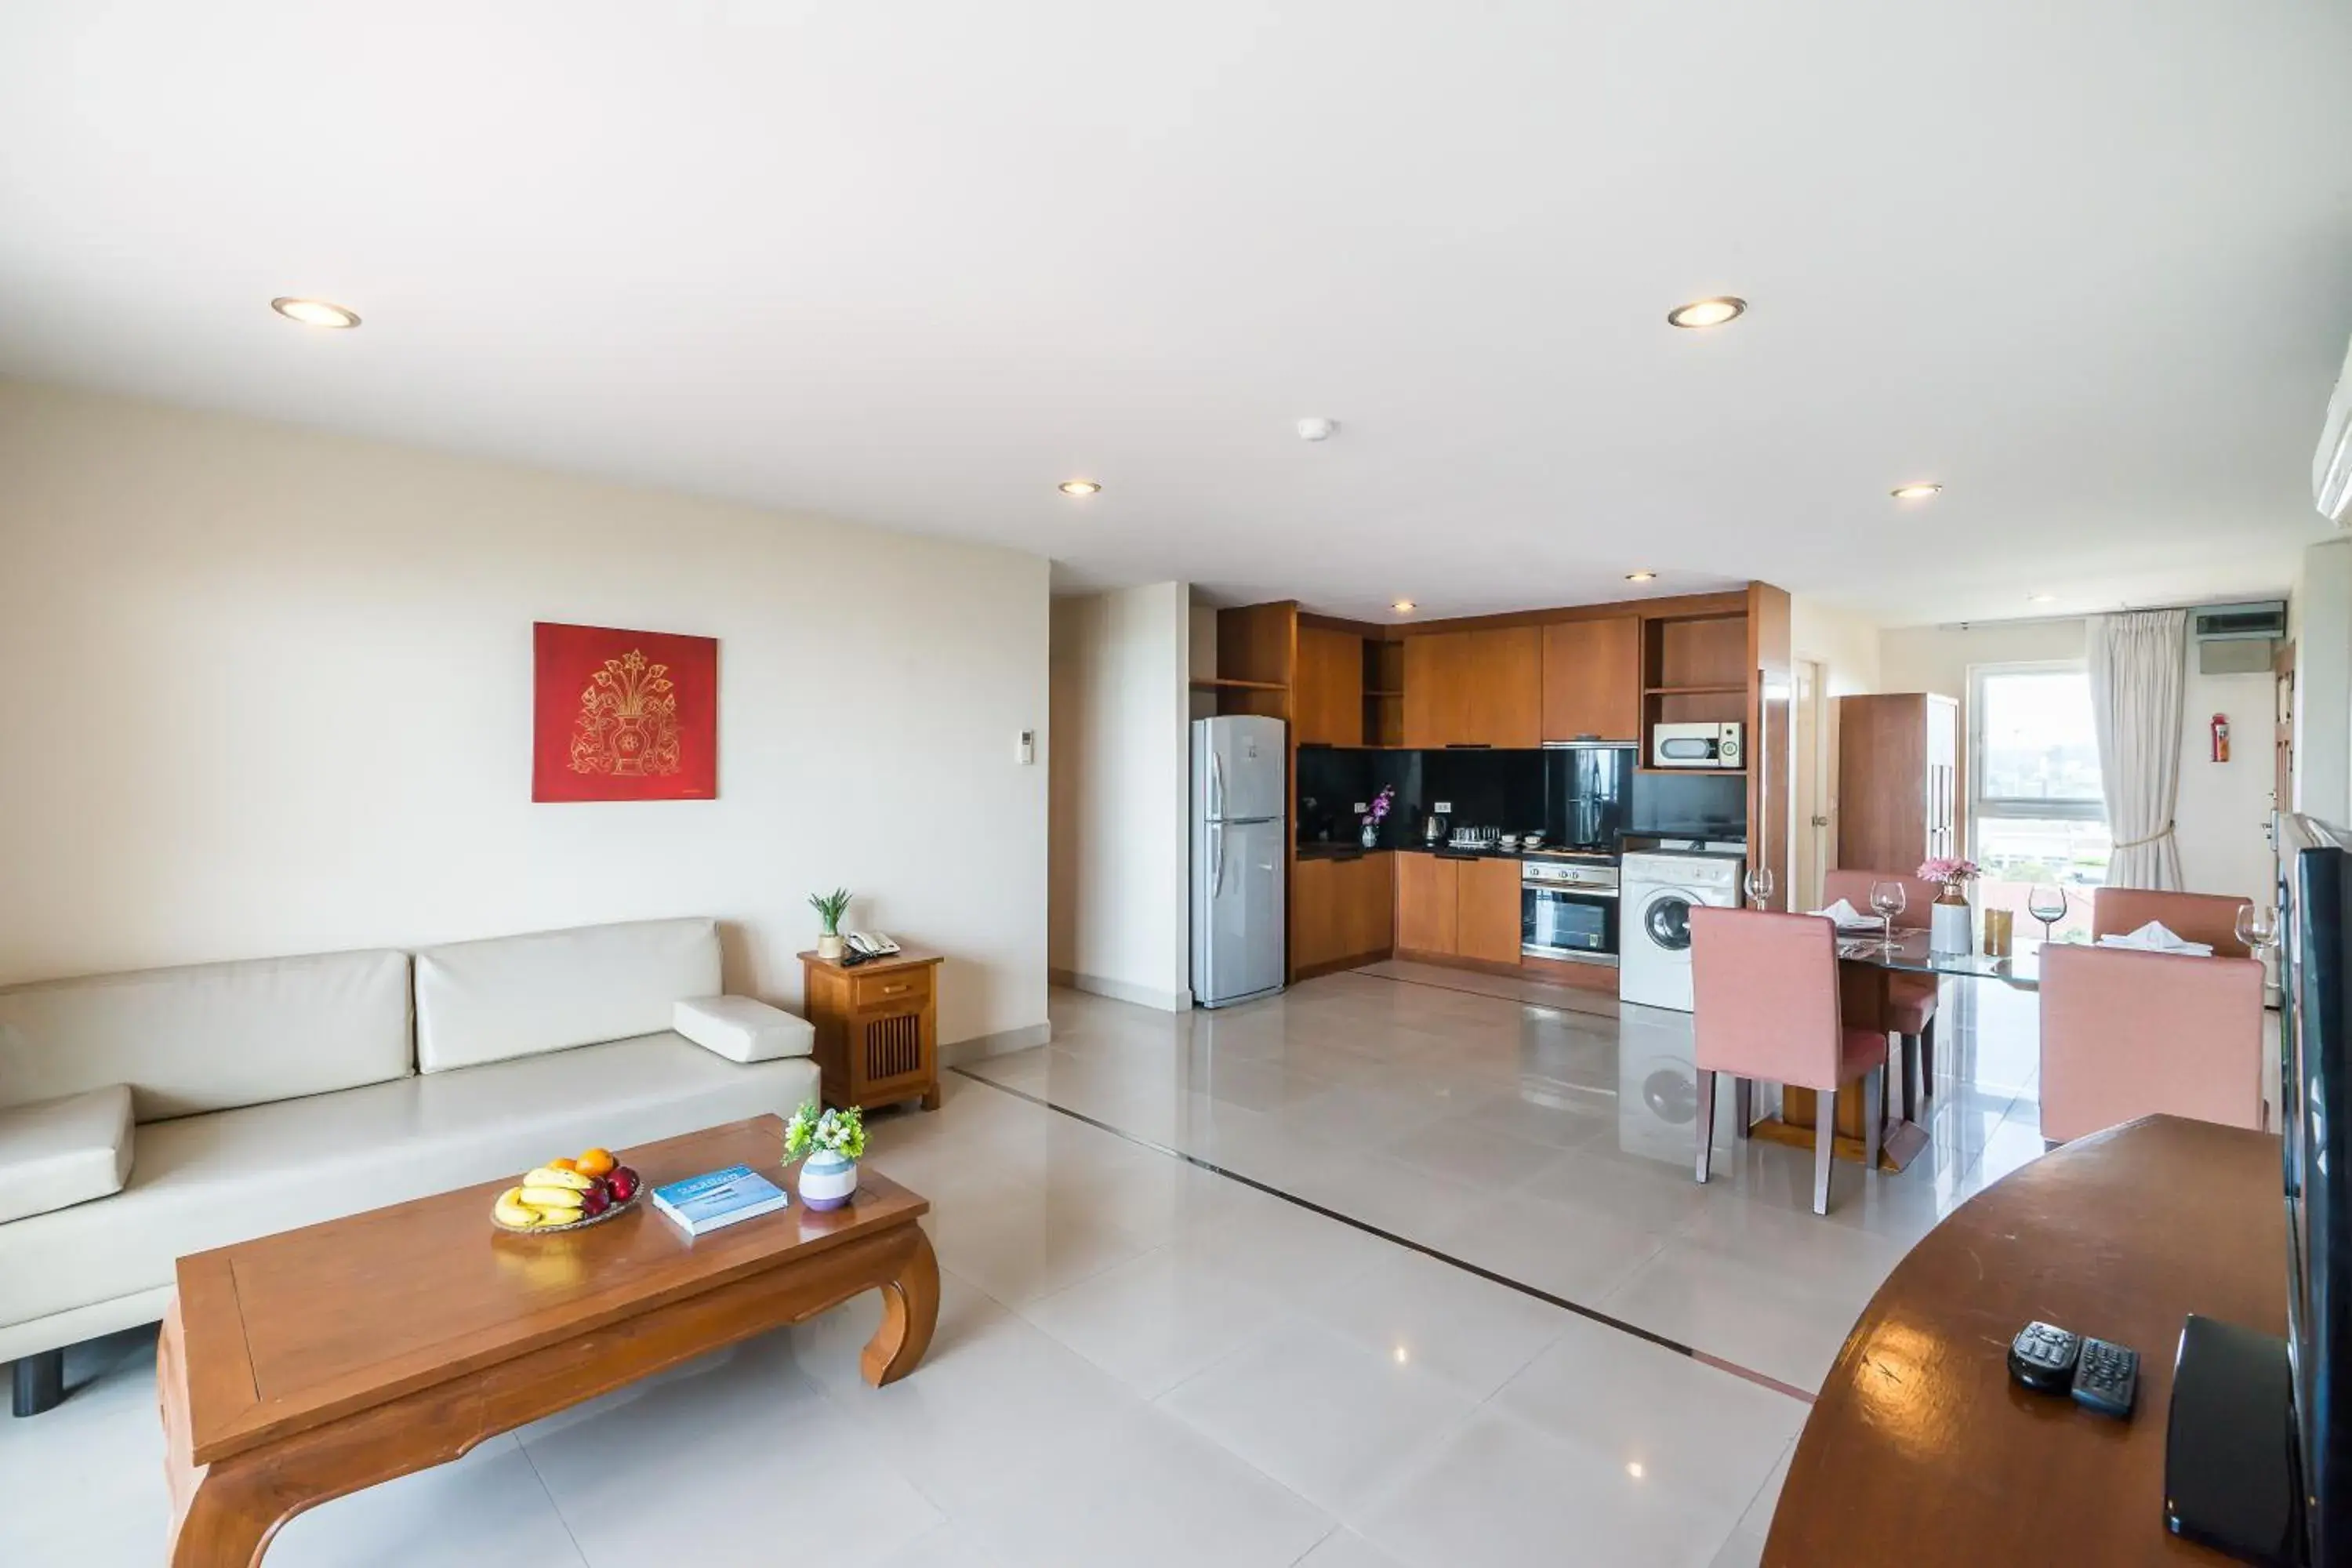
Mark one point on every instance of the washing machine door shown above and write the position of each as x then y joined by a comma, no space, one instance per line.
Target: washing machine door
1665,919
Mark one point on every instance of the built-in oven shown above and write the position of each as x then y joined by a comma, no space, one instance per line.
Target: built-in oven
1567,909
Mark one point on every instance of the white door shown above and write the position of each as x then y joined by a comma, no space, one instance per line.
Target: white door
1811,821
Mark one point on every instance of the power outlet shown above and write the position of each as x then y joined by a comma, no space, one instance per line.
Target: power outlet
1443,808
1362,807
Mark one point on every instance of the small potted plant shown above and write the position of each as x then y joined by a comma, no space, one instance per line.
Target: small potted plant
830,908
1378,814
829,1144
1951,923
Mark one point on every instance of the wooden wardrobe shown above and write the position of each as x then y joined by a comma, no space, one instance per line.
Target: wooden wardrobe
1898,781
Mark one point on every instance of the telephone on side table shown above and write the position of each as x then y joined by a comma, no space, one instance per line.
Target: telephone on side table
862,945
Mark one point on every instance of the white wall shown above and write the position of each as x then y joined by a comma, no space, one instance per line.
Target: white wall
270,692
2319,618
1845,644
2224,808
1121,667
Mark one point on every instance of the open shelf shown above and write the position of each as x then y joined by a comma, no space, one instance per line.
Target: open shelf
1217,683
1697,772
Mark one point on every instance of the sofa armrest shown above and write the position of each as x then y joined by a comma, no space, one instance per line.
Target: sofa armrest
57,1152
742,1028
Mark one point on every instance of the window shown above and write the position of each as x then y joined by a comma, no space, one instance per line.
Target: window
2036,813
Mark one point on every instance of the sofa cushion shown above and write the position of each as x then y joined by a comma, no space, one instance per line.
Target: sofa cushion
743,1028
518,995
64,1152
207,1181
209,1037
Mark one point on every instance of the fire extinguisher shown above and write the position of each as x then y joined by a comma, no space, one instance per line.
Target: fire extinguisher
2221,737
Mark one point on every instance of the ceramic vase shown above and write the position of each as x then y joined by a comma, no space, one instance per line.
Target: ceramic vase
1951,926
827,1181
830,946
1372,835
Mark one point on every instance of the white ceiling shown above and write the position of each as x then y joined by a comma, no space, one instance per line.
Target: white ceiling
2087,263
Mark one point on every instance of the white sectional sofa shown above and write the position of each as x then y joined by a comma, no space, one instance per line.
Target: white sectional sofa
149,1115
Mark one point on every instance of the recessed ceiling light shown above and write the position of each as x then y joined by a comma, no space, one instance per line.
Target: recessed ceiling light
314,312
2041,598
1913,492
1640,576
1402,606
1634,1468
1707,312
1080,488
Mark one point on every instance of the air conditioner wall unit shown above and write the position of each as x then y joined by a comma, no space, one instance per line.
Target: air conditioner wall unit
2237,639
2331,466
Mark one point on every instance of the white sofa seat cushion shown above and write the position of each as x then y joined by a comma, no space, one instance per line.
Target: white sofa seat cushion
212,1036
64,1152
743,1028
518,995
205,1181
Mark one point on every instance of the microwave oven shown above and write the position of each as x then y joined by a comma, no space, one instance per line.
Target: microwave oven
1695,746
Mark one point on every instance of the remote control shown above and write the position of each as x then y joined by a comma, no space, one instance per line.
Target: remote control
2107,1378
2042,1357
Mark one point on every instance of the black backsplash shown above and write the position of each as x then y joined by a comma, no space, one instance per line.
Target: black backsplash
1501,789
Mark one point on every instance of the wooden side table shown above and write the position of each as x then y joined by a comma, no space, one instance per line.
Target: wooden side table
877,1027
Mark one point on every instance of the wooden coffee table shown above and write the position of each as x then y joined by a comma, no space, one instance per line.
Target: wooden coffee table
303,1366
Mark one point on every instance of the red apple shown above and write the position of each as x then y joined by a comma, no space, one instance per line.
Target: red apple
594,1201
623,1183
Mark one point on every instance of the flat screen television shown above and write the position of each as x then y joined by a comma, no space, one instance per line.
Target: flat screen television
2315,1069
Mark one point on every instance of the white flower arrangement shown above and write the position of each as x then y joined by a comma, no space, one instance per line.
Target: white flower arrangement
812,1131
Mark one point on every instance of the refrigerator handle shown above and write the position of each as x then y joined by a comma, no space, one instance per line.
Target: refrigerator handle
1216,786
1216,857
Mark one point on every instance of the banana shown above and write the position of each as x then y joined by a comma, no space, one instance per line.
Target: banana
552,1198
545,1177
511,1210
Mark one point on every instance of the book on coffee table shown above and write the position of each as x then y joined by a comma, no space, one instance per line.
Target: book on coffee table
699,1205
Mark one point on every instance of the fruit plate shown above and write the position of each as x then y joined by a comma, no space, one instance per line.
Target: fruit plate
615,1211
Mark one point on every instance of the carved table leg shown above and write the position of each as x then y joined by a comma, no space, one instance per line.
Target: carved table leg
910,1311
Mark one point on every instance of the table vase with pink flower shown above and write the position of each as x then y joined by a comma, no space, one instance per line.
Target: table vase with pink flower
1951,923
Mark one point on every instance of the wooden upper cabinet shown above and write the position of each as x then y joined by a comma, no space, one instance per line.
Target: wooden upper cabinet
1327,693
1504,700
1592,679
1486,917
1436,689
1427,890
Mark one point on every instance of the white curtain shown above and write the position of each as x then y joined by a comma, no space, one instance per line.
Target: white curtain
2137,675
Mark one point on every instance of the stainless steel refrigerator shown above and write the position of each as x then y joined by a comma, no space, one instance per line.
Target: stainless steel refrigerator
1240,837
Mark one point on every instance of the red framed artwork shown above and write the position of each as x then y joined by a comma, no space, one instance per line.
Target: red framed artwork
620,715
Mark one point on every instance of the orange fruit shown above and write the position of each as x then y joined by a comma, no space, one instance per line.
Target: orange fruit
595,1162
566,1165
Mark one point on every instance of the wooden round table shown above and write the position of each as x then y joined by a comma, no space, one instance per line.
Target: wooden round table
1922,1451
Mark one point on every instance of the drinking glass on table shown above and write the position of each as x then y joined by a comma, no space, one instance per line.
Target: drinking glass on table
2257,925
1759,886
2047,905
1887,899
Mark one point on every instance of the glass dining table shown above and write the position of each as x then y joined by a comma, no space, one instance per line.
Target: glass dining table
1906,954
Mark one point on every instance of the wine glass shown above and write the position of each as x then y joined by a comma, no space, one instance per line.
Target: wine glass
2257,925
1888,898
1759,886
2047,905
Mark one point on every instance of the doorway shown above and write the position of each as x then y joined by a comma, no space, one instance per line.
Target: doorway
1814,818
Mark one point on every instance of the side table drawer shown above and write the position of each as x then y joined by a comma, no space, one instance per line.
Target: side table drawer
893,989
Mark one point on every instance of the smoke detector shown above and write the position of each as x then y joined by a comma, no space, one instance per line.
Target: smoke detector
1317,430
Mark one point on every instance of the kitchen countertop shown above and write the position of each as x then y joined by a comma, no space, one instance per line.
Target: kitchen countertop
1344,850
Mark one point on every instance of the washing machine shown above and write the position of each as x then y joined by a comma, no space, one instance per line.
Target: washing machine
1654,937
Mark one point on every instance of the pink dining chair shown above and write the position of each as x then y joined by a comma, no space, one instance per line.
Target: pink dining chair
2209,918
2127,1034
1910,1009
1766,1006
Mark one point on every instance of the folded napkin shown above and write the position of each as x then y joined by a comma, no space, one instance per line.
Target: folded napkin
2154,937
1845,917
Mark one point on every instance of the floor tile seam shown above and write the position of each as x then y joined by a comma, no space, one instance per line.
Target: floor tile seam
554,1506
1787,1449
1593,1314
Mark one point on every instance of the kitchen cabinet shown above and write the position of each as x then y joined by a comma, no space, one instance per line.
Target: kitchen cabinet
1505,702
1436,689
1486,911
1898,781
1427,890
1458,908
1341,910
1474,688
1592,679
1327,696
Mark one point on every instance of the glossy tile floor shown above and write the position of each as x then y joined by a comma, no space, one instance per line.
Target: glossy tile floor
1142,1360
